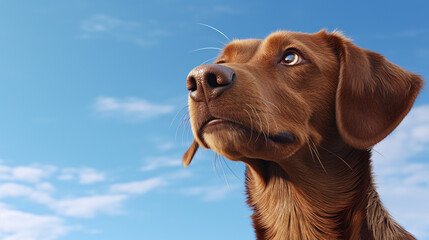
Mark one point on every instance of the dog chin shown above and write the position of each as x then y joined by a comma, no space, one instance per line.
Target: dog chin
229,143
238,144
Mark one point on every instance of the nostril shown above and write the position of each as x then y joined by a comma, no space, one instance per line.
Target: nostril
212,80
233,77
191,84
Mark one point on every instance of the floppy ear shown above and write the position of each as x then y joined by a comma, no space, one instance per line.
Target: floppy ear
187,157
373,95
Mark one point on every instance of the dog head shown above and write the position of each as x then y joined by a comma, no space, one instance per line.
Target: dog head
265,99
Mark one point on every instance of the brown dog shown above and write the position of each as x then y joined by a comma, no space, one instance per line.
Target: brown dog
303,111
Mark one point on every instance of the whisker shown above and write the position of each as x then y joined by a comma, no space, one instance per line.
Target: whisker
183,119
226,163
265,112
208,60
271,115
265,100
318,155
260,122
207,48
185,127
260,125
377,152
214,163
185,123
175,116
185,114
217,30
189,131
222,43
268,123
251,126
311,151
338,157
224,174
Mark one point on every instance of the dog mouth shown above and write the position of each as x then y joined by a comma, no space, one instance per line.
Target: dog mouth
215,124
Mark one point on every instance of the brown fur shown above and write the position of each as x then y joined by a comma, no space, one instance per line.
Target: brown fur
338,103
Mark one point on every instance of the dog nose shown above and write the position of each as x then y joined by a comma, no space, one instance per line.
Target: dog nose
209,81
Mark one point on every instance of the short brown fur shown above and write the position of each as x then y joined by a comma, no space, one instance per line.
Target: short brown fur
338,103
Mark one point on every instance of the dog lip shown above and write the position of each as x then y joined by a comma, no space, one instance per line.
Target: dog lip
214,121
280,137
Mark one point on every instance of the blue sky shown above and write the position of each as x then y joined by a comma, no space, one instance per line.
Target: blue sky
89,90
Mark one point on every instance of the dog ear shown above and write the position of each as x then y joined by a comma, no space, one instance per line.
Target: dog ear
373,95
189,154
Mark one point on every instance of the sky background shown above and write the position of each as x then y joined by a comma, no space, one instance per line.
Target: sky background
90,147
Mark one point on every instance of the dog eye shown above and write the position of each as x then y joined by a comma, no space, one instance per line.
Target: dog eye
291,58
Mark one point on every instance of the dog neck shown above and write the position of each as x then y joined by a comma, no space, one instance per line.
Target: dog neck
318,197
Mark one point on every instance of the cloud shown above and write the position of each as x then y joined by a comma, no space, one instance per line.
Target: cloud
165,146
154,163
8,190
30,174
85,207
67,174
132,108
144,34
106,24
210,193
89,176
84,175
17,225
402,171
88,207
409,139
138,187
227,10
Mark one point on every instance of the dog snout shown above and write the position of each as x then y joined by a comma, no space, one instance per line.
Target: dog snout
209,81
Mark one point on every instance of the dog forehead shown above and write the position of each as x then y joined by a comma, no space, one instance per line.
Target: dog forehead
243,48
277,41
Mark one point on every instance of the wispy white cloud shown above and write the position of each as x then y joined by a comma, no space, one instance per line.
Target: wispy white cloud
89,176
145,34
83,175
8,190
45,186
145,42
67,174
87,207
26,173
84,207
17,225
409,139
105,24
402,171
225,9
134,109
138,187
210,193
40,189
179,175
154,163
165,146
